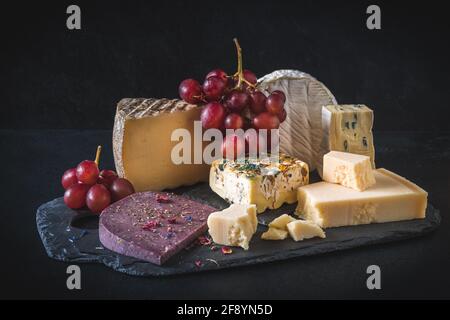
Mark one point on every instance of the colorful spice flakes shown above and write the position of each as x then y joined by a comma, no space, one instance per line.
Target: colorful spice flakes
204,240
162,198
227,250
172,220
149,225
198,263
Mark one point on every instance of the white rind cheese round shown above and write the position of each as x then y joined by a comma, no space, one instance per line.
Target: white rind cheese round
301,132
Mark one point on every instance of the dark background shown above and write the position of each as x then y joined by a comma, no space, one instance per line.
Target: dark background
53,79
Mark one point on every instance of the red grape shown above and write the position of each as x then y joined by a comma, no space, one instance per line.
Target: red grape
69,178
257,102
213,115
87,172
106,177
266,120
274,103
233,146
190,91
250,76
121,188
282,115
217,73
75,195
213,88
98,198
281,93
234,121
237,100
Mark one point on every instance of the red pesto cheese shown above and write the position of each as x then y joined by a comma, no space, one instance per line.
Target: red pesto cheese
152,226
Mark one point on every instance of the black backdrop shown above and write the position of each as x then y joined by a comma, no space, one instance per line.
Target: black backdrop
52,77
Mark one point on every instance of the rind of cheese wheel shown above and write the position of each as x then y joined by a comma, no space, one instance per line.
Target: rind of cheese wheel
392,198
142,143
301,132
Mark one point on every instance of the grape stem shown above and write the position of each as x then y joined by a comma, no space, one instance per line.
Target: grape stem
97,155
240,72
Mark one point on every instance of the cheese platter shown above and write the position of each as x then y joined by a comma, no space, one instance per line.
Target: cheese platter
74,239
238,171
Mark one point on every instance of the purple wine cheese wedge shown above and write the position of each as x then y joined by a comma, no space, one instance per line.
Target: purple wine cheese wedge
152,226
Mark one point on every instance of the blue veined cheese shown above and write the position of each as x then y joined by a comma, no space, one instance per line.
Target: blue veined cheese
347,128
262,182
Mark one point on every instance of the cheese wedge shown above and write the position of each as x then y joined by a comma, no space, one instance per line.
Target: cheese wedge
300,230
233,226
348,169
263,182
392,198
142,143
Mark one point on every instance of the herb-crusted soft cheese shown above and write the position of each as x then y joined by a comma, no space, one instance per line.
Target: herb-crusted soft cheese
263,182
347,128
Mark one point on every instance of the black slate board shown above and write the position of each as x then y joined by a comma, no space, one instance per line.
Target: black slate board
72,236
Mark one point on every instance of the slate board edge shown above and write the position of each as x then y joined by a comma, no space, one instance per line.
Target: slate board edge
433,220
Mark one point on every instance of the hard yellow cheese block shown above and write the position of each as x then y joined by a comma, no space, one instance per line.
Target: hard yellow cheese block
259,181
348,169
300,230
142,143
233,226
392,198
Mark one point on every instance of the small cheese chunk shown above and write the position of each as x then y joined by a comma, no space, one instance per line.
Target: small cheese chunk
281,222
233,226
274,234
348,169
347,128
263,182
300,229
392,198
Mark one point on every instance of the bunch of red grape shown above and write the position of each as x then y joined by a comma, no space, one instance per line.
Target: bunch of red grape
234,102
86,185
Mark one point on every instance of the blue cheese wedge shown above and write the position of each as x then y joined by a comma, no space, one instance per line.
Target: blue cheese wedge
263,182
347,128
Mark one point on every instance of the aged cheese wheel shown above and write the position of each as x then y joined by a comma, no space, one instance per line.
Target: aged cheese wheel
142,143
301,132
